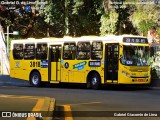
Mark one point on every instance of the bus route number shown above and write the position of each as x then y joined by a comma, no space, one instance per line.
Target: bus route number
34,64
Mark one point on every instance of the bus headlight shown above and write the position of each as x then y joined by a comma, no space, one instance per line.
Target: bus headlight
125,73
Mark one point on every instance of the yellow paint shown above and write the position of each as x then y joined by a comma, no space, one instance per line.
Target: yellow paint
18,97
37,108
67,112
39,104
74,74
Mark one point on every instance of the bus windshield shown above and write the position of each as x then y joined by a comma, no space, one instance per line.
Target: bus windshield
135,56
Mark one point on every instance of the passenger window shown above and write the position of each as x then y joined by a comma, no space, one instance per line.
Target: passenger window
41,51
29,51
69,51
83,50
97,50
18,51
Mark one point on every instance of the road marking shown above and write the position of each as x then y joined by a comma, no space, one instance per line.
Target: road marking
67,112
37,107
12,96
87,103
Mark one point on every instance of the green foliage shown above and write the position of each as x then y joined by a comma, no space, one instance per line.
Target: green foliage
85,17
54,17
145,17
78,4
158,30
108,22
82,17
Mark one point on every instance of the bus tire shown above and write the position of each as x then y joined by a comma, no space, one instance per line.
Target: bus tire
89,84
95,81
35,79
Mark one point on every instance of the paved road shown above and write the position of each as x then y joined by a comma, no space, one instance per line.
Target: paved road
75,98
95,103
25,107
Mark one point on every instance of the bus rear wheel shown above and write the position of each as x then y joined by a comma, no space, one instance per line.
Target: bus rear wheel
95,81
35,79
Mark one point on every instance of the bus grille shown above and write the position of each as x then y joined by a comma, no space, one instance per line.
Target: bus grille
139,69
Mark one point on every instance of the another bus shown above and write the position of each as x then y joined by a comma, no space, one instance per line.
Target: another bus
94,61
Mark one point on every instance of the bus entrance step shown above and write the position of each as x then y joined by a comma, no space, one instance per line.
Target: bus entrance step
54,81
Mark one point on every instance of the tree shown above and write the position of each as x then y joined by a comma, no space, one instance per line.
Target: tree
115,19
108,22
21,18
86,16
53,14
145,17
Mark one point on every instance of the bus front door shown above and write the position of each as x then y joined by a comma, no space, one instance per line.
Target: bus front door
54,69
111,63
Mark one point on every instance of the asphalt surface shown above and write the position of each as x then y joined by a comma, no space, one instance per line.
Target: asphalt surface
21,107
6,80
85,104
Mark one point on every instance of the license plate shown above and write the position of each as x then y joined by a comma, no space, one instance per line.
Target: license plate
140,80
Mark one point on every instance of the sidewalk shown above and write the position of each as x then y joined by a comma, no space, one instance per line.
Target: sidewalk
6,80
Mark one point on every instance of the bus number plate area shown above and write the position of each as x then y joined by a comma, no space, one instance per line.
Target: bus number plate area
140,80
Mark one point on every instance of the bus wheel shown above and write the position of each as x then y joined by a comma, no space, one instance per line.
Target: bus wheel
95,81
89,84
35,79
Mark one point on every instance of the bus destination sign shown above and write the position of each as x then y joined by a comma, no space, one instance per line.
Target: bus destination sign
135,40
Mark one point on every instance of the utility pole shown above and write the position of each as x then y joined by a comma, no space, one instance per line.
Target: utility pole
14,33
7,40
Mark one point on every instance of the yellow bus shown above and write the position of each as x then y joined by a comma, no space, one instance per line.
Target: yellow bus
92,60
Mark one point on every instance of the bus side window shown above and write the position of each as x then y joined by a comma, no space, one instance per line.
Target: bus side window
69,51
97,50
18,51
29,51
41,51
83,50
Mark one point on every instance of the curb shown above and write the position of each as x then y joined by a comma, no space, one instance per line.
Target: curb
49,107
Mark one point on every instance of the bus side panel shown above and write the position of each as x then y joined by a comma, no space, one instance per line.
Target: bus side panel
12,71
64,75
74,71
44,74
18,69
22,69
77,71
32,65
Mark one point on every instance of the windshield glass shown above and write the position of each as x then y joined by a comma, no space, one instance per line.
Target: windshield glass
135,55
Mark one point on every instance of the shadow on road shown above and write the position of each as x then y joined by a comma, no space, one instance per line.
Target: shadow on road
104,87
6,80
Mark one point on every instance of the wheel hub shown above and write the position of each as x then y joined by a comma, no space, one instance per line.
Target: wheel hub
35,79
94,81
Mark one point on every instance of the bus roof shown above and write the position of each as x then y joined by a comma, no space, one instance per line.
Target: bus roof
105,39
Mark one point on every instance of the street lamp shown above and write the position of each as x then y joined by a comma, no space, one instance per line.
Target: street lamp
14,33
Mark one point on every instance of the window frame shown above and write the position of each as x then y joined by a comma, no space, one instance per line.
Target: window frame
87,51
96,51
43,51
74,51
13,52
28,49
